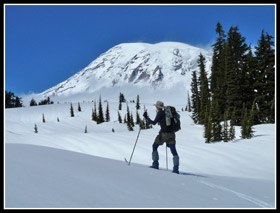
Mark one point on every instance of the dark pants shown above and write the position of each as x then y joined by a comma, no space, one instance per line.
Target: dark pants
169,139
155,157
171,146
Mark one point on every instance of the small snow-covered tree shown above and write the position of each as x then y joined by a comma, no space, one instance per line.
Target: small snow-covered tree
36,128
43,118
71,111
94,113
107,115
100,118
79,107
138,103
119,117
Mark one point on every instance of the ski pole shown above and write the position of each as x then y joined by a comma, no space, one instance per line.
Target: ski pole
134,145
166,158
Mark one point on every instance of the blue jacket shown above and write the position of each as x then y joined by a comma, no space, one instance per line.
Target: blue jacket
160,118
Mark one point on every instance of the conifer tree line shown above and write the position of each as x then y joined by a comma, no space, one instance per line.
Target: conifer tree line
99,116
240,88
11,100
128,118
42,102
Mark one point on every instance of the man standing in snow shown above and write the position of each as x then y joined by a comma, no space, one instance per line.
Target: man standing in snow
163,136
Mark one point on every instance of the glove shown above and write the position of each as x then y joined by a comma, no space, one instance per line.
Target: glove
145,115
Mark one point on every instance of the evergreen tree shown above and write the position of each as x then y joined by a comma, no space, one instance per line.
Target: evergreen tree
244,125
208,126
49,101
265,79
100,117
94,112
195,98
216,122
121,100
119,117
189,103
131,120
33,102
46,101
79,107
18,102
138,120
235,78
36,128
11,100
142,124
138,103
120,105
128,119
217,62
232,124
127,114
204,90
247,123
43,118
249,76
86,129
107,116
71,111
219,69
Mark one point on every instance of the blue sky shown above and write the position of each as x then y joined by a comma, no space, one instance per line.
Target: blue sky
46,44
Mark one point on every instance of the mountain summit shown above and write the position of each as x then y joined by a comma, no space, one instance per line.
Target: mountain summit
158,66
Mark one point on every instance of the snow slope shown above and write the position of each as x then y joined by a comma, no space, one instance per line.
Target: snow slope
65,169
41,177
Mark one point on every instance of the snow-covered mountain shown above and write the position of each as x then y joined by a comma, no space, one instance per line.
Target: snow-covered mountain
158,66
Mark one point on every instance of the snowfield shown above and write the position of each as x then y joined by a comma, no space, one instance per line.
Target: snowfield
63,167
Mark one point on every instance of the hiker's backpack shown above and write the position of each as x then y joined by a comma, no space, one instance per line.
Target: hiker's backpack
172,119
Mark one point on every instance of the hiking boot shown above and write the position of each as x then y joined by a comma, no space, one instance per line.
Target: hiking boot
155,159
176,164
175,169
155,164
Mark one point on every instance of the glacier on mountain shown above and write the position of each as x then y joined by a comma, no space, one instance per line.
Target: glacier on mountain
157,65
134,67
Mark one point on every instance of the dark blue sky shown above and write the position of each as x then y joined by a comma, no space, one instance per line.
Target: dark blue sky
46,44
